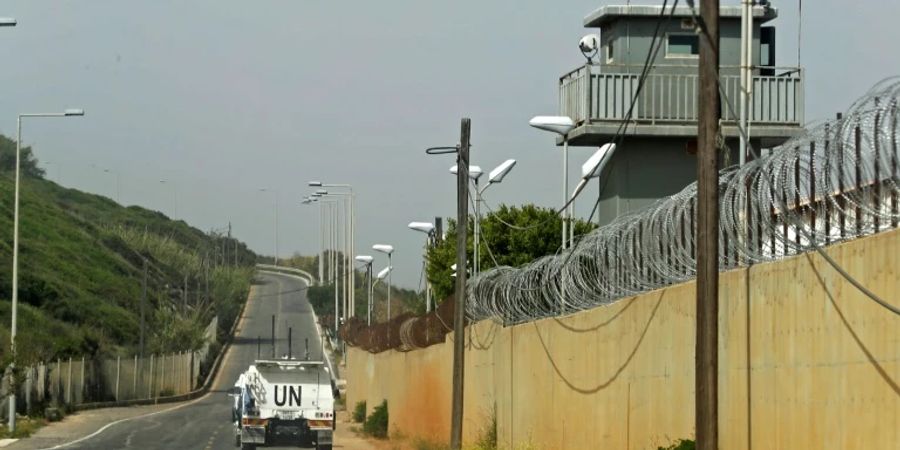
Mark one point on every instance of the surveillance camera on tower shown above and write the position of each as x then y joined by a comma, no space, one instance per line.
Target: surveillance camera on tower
589,46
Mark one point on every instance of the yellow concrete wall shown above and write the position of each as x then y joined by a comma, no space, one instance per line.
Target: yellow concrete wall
807,363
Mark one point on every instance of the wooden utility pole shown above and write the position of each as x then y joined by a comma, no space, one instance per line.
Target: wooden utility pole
459,310
707,353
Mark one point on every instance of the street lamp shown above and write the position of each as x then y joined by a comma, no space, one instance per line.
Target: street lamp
383,273
592,168
275,195
330,241
561,125
428,229
15,271
388,250
7,22
495,176
308,201
367,261
348,233
350,292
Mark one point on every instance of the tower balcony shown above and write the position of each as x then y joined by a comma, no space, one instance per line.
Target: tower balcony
598,102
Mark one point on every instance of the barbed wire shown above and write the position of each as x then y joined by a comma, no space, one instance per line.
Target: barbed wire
836,181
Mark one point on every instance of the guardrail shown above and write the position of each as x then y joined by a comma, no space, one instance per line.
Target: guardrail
308,277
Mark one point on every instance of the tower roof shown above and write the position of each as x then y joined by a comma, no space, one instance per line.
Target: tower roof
606,14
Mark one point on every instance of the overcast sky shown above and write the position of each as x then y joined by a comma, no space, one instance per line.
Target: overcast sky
222,98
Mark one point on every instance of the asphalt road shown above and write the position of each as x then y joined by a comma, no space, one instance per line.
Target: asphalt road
206,423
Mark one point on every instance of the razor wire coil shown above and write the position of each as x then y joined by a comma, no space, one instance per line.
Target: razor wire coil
835,182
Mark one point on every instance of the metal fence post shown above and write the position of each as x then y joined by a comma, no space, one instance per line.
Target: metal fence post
134,386
58,380
82,378
69,384
118,373
150,379
28,387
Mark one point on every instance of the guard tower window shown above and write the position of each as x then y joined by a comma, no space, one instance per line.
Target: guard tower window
609,50
682,45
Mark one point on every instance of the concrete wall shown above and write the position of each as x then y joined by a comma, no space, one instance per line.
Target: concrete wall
806,362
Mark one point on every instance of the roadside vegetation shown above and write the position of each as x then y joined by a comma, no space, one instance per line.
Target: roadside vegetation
81,266
683,444
25,426
376,424
359,412
537,233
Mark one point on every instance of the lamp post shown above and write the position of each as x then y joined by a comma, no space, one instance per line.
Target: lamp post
474,174
347,271
367,261
381,275
495,176
388,250
15,269
592,168
275,195
329,225
428,229
350,236
561,125
308,201
330,241
7,22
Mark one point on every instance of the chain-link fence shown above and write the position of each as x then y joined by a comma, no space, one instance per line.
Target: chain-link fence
72,382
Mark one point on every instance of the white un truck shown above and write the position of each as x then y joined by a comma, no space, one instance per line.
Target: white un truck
284,402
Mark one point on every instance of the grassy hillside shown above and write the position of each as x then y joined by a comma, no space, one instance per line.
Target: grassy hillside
81,259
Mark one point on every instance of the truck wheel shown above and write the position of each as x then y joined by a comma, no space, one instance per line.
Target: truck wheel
237,440
323,447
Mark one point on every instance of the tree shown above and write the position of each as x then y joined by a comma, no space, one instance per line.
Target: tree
28,164
510,236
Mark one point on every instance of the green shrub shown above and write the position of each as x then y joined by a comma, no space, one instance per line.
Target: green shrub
488,438
359,412
377,423
682,444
